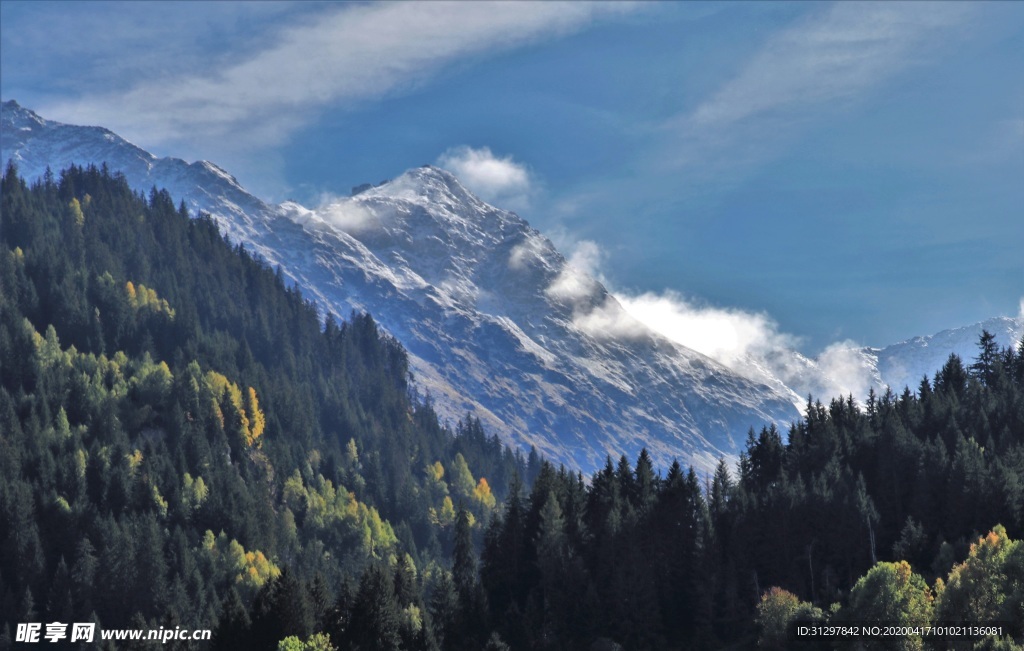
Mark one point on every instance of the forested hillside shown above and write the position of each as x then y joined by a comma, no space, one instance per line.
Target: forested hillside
182,437
185,441
905,511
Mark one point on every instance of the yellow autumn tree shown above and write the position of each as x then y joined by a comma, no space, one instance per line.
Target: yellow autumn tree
446,515
461,479
134,461
435,471
777,610
228,400
141,297
76,212
251,569
978,589
257,421
482,494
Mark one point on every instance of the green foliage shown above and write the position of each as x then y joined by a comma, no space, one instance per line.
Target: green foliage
461,479
247,570
891,593
335,512
159,384
989,585
315,642
194,492
777,610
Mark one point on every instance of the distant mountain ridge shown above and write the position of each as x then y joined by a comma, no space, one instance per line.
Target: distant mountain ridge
845,369
903,364
485,305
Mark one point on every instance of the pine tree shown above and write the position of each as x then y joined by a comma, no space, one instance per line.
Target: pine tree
374,623
232,628
464,560
646,482
444,607
988,362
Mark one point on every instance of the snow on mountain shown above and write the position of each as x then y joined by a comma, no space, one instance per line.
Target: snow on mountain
36,144
496,321
485,305
904,364
844,369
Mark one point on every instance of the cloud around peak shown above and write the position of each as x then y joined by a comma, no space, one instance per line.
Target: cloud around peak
751,344
500,181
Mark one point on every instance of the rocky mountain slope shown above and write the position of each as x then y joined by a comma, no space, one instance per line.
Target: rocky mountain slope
496,320
484,303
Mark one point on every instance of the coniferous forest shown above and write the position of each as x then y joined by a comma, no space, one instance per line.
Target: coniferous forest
185,441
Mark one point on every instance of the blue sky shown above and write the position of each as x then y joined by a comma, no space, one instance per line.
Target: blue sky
802,173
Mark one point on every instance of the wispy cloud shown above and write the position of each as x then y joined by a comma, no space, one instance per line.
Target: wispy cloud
127,42
726,334
346,214
813,69
843,363
335,57
749,343
576,282
498,180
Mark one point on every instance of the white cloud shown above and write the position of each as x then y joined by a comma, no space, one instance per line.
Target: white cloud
576,281
347,215
334,57
521,255
341,213
586,256
833,58
610,321
728,335
534,247
498,181
845,365
749,343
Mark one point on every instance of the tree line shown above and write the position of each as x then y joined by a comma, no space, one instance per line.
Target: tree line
185,440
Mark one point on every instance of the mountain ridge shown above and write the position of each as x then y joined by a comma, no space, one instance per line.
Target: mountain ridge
487,307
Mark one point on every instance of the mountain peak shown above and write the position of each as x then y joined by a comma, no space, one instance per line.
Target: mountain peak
18,117
428,185
476,296
431,175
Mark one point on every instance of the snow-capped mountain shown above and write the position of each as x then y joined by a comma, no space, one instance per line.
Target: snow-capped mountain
36,144
486,306
496,321
841,370
845,369
904,364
